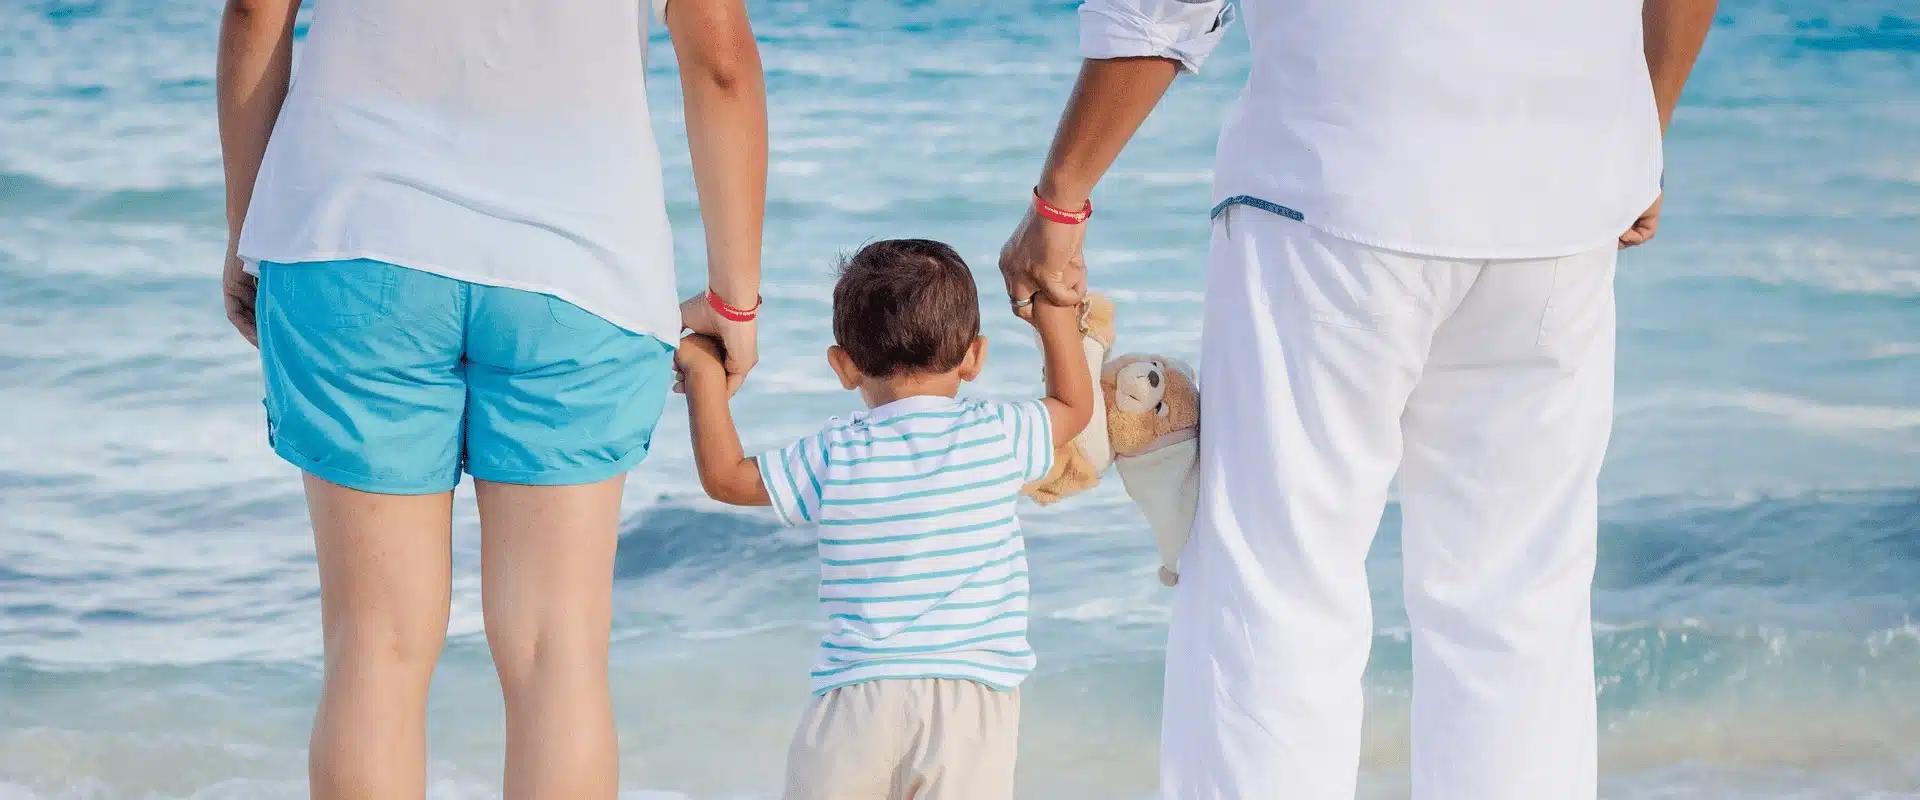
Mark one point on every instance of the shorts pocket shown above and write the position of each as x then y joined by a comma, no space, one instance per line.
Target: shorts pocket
1576,304
330,294
572,317
1368,296
1343,284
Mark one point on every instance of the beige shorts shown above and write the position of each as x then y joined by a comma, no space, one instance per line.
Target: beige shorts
906,739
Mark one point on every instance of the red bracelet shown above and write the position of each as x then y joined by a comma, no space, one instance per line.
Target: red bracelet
730,313
1053,213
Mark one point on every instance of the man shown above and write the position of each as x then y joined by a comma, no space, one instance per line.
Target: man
1416,214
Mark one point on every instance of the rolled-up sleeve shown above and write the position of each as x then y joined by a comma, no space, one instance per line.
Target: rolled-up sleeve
1182,30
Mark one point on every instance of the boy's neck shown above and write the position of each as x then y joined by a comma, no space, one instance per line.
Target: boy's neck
878,392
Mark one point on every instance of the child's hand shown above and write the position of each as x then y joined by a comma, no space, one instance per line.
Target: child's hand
1048,315
698,359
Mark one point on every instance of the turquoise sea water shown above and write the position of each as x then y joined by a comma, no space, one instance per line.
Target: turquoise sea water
1759,586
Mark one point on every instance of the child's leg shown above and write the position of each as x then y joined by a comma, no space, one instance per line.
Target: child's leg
850,741
968,737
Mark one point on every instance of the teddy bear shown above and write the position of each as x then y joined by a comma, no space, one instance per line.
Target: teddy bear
1078,465
1147,428
1153,424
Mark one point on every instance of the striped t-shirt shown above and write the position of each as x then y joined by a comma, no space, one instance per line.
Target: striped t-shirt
923,573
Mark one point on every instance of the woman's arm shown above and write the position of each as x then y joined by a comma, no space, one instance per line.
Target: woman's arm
254,67
726,105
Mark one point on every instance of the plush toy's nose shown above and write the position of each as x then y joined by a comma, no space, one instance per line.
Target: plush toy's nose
1153,379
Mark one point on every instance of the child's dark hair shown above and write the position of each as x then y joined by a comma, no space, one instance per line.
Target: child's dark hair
905,306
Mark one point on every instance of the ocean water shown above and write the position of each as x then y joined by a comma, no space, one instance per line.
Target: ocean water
1759,584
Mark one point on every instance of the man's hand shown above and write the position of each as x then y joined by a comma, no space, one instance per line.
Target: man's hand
239,290
1644,227
1043,258
739,348
1673,31
1110,100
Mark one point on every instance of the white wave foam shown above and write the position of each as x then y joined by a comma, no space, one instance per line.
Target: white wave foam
1099,258
1125,295
1831,417
1799,411
1118,610
1849,267
1199,177
1887,350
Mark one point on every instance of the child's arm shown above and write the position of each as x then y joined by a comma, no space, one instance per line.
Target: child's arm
726,473
1070,395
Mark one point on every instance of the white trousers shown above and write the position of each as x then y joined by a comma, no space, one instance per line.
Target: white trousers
1329,366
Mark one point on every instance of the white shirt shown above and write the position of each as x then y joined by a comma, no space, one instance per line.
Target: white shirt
1462,129
495,141
923,571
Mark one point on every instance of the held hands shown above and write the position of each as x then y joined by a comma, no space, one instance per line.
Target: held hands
699,359
733,345
1047,317
1042,262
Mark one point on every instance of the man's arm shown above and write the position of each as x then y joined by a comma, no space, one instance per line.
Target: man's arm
254,66
1109,102
1675,30
726,104
1133,50
1069,385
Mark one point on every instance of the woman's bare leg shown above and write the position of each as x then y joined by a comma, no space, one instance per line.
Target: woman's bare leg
547,590
385,568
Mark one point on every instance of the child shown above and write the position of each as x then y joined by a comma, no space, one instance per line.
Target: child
923,571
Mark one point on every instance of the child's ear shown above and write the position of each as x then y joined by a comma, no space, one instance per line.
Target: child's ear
850,377
976,359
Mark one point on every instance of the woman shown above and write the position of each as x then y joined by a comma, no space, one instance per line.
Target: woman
463,263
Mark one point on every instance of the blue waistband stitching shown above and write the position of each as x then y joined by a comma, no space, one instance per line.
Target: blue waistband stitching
1263,205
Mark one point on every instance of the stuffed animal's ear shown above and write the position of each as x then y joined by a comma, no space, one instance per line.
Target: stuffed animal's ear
1184,368
1182,397
1114,365
1184,381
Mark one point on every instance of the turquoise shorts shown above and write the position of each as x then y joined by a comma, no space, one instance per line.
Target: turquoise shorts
392,380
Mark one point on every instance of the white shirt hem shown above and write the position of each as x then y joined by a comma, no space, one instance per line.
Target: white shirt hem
1468,253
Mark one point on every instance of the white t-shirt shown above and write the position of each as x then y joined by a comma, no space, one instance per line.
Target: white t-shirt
923,571
502,142
1460,129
